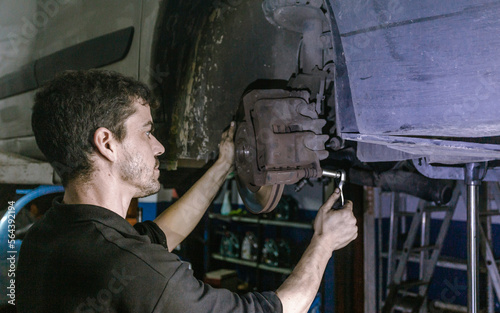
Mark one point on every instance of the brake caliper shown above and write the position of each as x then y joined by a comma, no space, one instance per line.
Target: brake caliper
278,142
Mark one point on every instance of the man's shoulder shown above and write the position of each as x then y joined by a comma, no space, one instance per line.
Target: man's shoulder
98,242
86,260
139,250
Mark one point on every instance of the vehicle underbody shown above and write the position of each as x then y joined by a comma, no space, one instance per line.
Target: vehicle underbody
361,86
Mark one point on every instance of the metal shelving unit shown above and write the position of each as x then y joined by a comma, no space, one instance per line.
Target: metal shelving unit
264,267
258,222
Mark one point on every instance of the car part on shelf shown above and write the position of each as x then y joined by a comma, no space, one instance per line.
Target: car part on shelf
287,209
278,142
284,253
270,253
250,247
276,252
229,245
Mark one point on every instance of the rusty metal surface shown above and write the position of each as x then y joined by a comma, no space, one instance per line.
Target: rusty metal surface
264,200
307,18
278,142
209,52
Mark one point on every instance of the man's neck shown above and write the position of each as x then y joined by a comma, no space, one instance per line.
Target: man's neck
109,196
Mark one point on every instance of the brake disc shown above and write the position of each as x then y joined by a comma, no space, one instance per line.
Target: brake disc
264,200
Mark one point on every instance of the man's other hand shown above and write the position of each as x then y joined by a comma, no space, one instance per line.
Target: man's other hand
226,146
334,229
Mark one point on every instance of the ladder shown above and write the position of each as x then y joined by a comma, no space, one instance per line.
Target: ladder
486,248
410,295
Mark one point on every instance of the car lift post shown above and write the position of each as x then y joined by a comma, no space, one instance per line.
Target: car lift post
474,174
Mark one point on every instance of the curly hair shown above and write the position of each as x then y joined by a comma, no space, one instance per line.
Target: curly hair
71,107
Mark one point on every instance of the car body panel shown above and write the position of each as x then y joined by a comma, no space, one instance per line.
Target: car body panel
32,36
423,68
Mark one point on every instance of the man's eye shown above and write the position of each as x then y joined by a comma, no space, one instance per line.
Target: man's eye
148,133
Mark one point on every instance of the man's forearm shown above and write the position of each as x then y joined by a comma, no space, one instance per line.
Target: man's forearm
179,220
333,230
298,291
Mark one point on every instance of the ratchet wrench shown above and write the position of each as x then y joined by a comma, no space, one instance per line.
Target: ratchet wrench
341,176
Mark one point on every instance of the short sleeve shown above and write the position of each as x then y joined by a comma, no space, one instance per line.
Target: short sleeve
184,293
153,231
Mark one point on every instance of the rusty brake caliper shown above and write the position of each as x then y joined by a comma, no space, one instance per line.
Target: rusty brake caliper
279,139
279,142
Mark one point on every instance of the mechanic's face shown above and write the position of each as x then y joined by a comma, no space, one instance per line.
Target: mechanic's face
139,165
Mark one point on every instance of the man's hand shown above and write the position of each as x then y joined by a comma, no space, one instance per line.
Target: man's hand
334,229
226,147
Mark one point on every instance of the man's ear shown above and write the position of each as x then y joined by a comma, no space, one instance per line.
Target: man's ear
105,143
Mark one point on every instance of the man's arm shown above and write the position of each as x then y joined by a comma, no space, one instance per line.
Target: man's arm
179,220
332,230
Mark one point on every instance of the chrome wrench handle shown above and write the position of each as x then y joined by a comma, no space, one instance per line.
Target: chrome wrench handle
341,176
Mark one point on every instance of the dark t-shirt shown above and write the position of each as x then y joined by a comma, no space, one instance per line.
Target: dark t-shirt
85,258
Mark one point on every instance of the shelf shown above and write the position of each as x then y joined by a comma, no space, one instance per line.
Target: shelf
255,220
252,264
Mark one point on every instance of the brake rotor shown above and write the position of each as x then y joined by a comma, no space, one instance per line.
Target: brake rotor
264,200
257,199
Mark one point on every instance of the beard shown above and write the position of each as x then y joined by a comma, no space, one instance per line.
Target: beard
134,170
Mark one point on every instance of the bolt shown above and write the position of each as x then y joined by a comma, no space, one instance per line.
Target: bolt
335,143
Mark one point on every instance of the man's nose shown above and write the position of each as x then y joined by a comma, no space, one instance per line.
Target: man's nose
158,148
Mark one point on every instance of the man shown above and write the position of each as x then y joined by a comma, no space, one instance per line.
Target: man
95,128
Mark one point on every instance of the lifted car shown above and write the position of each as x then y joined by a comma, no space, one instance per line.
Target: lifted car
397,93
